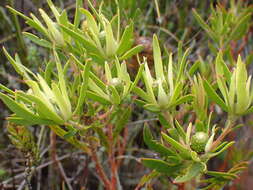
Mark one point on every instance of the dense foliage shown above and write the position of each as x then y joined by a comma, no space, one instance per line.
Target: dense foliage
127,95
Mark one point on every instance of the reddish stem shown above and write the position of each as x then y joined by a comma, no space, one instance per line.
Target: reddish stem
111,156
181,186
99,169
122,146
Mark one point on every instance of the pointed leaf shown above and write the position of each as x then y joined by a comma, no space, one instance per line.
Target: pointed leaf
108,73
84,87
37,40
180,130
161,166
221,175
89,46
137,77
95,97
33,23
195,169
19,68
21,121
179,147
90,21
131,52
214,96
50,114
126,41
154,145
241,79
115,97
20,110
204,26
152,107
183,65
79,3
157,59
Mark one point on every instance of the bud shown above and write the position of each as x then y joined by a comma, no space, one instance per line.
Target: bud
155,86
84,26
162,97
57,36
117,83
102,35
198,142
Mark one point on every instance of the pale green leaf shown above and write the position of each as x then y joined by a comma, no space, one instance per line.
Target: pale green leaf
135,50
157,59
20,110
161,166
195,169
126,40
90,21
37,40
179,147
214,96
154,145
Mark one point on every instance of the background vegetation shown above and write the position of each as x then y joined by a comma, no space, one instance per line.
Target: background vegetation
173,21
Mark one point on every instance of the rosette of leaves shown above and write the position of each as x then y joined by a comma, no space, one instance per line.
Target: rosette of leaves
199,102
183,156
48,101
96,38
54,36
106,38
235,88
43,102
226,25
165,91
116,87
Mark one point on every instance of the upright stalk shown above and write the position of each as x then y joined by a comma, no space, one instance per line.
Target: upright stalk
111,157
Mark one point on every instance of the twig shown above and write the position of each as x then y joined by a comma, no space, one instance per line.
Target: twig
180,186
158,12
122,147
63,174
112,158
165,31
138,186
53,158
142,121
26,181
221,137
85,172
224,133
105,115
22,185
99,169
39,167
12,174
39,180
